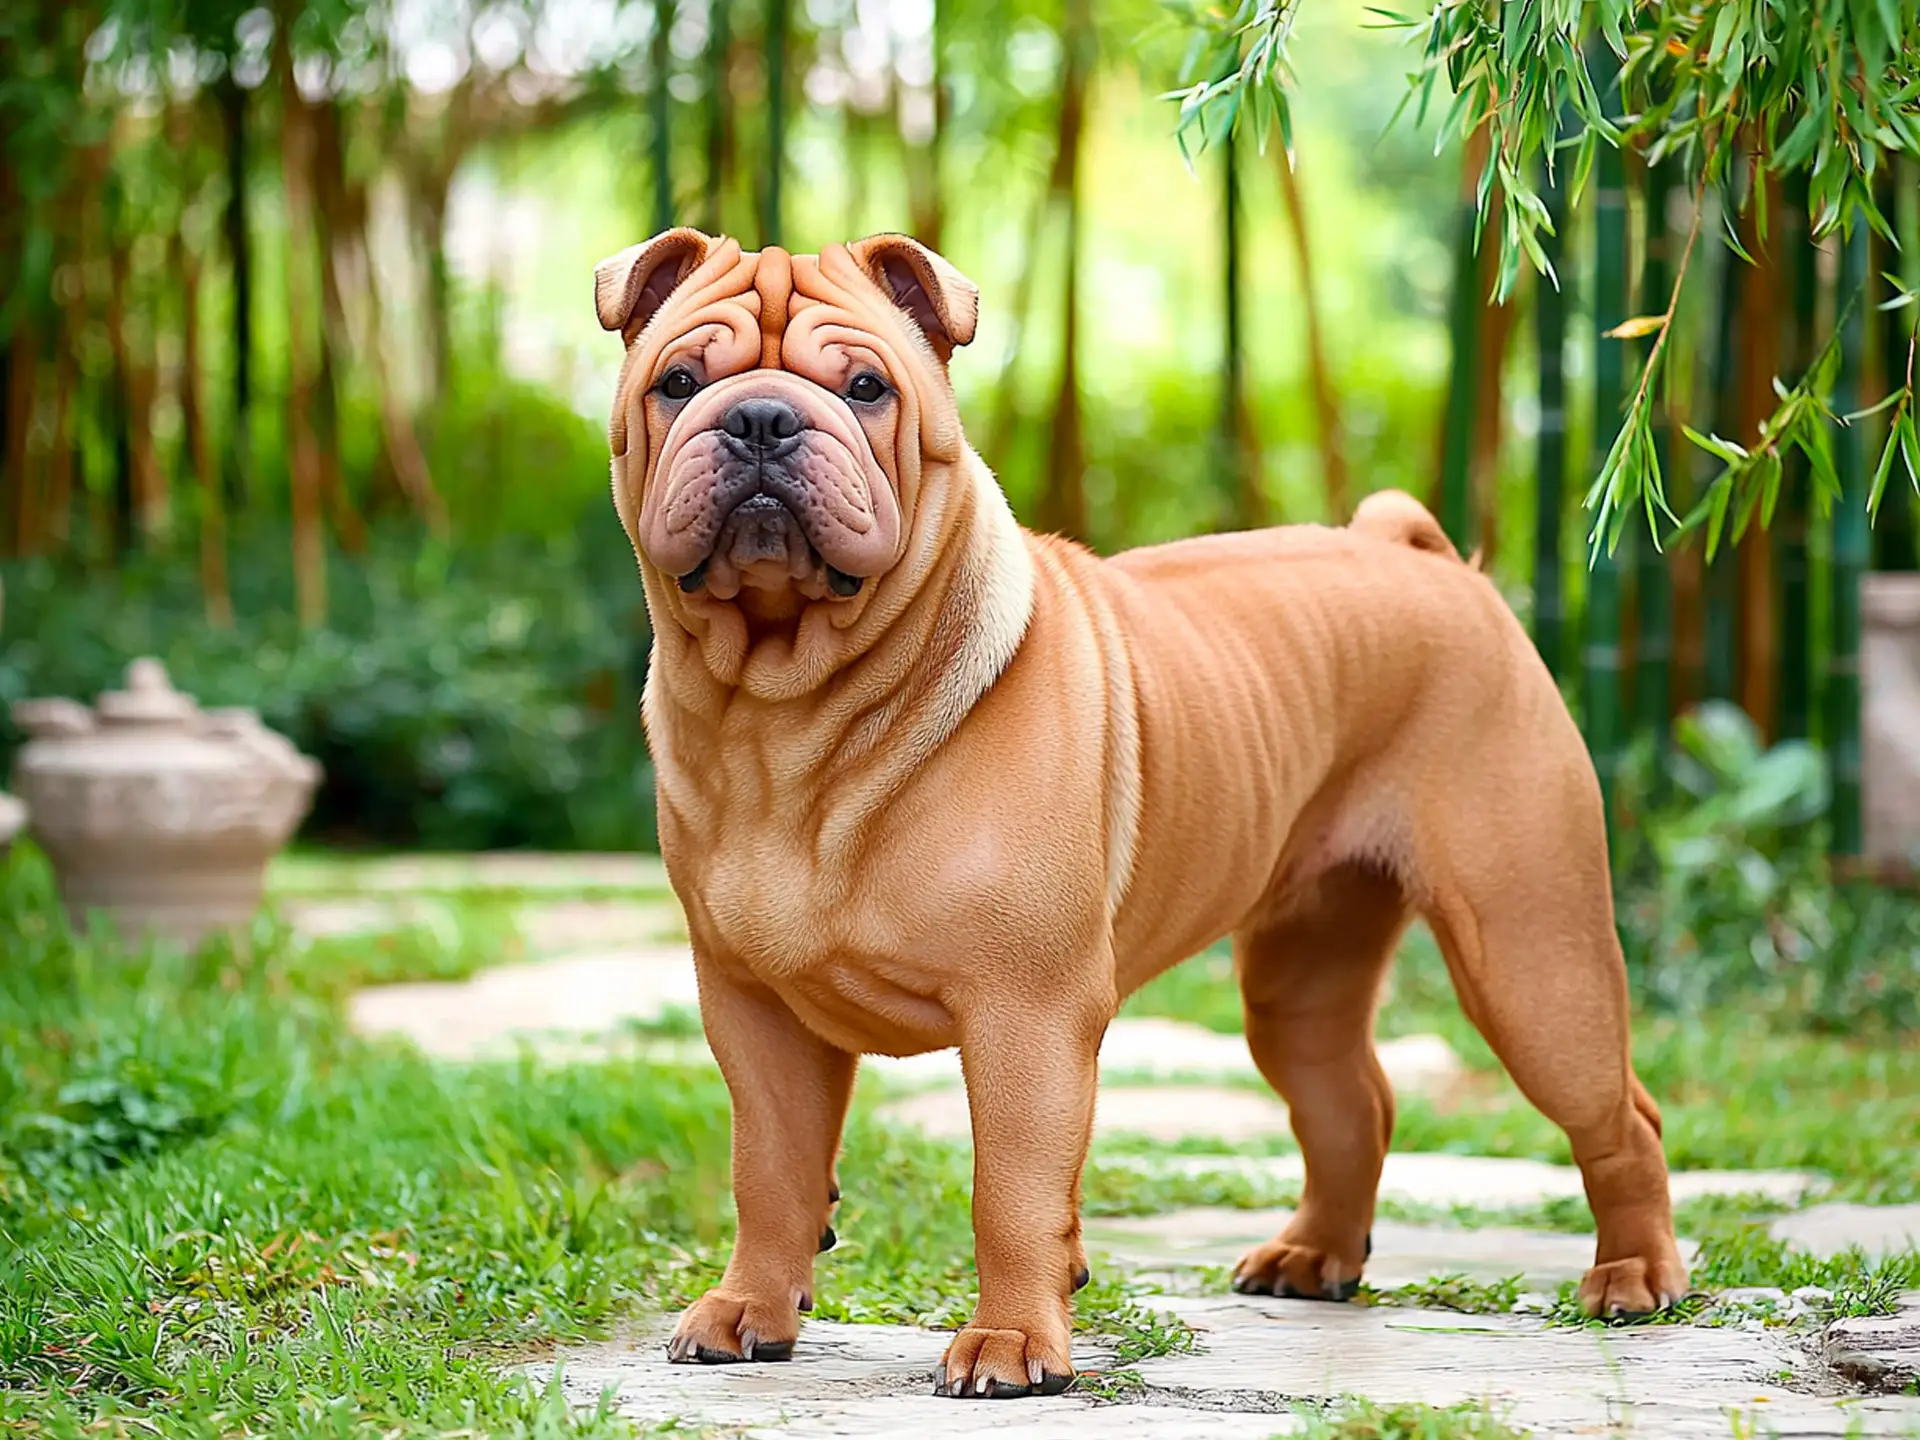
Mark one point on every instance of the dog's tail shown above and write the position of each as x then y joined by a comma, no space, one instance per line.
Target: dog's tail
1399,519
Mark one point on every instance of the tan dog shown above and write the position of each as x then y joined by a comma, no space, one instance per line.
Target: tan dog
928,780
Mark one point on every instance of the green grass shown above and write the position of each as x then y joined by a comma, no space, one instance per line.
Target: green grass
469,934
220,1213
1352,1418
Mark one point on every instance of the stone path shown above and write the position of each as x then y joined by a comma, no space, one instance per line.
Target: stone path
1260,1358
610,959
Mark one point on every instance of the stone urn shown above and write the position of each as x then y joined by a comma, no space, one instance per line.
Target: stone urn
13,816
1890,720
160,813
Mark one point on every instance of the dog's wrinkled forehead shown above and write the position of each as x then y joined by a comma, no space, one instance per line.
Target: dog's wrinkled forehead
665,285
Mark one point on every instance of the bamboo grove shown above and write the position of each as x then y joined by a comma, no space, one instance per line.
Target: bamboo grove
1684,243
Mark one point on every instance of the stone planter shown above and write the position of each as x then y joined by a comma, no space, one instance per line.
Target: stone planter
1890,720
155,811
13,817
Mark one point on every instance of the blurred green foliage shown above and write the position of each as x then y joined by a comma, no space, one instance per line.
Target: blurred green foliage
474,697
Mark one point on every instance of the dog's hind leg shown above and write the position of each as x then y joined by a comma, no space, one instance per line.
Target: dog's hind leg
1310,982
1524,915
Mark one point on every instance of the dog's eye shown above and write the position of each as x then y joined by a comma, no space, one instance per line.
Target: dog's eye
866,388
678,383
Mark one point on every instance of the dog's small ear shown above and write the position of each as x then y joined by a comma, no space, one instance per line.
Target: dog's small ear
940,300
629,288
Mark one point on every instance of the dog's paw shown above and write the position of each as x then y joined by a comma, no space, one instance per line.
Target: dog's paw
1003,1365
1297,1272
722,1329
1627,1289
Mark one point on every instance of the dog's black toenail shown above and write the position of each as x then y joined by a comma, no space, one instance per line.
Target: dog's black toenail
1004,1390
1369,1244
828,1240
780,1350
1051,1384
1343,1290
806,1304
833,1194
1081,1277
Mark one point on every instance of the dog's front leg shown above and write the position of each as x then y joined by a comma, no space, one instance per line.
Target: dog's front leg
1031,1066
790,1090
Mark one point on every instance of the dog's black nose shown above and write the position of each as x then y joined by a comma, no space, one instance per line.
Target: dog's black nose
761,424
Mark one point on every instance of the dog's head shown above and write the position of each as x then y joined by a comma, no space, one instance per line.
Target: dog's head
777,415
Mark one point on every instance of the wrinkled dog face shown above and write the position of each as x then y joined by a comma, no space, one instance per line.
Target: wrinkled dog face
773,400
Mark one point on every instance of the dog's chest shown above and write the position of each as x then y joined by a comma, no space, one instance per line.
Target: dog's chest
849,958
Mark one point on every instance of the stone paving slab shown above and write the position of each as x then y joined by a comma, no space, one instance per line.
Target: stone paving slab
1485,1181
1655,1381
1152,1047
861,1382
1828,1229
1165,1113
567,998
1402,1253
1260,1358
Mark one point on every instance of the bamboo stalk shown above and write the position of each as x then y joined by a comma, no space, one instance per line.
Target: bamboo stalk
1895,544
1849,561
327,185
1463,323
1720,639
1326,403
1063,499
1238,443
233,117
1758,363
193,411
1603,710
719,112
21,362
1653,597
660,114
304,479
1800,257
776,51
1550,444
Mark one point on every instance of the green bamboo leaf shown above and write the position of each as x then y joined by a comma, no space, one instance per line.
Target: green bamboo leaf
1892,397
1910,448
1725,450
1882,471
1722,493
1770,472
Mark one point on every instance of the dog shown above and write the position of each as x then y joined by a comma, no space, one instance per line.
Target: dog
928,780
